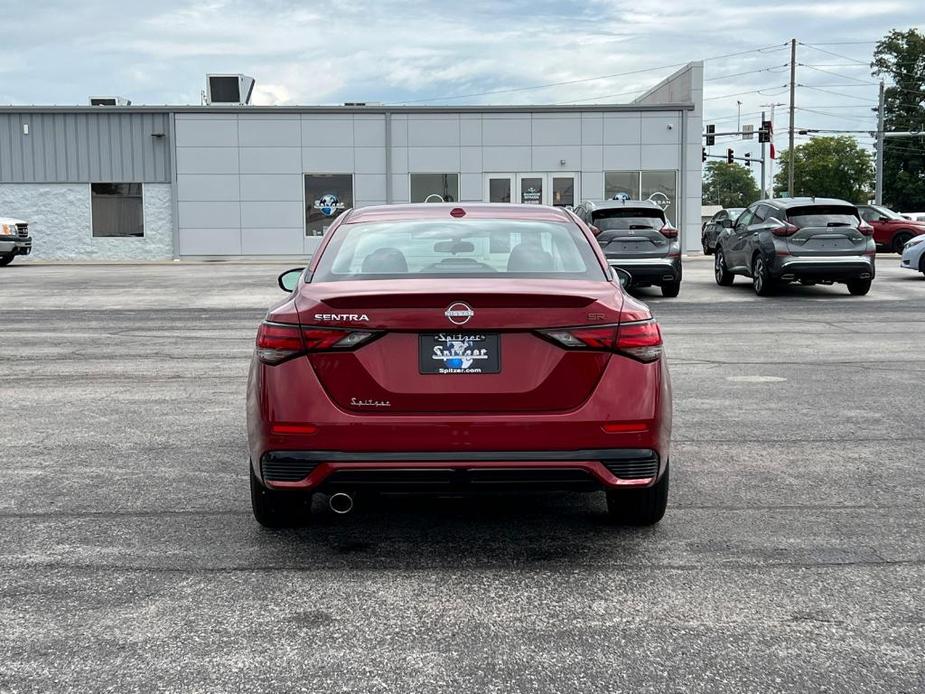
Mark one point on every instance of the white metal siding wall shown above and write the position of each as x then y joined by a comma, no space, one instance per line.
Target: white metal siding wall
240,176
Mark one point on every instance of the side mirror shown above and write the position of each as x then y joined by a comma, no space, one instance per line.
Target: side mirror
289,280
883,219
626,279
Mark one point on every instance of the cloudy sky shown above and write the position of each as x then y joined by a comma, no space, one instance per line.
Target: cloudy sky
452,52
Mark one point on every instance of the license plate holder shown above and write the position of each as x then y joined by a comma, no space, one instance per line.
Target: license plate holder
449,353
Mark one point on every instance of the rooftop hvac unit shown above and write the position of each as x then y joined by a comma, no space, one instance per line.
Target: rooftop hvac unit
109,101
229,89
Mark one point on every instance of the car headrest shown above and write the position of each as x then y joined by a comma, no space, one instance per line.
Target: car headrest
385,261
529,257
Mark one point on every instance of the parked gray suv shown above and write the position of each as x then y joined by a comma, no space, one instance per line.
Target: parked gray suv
636,236
806,240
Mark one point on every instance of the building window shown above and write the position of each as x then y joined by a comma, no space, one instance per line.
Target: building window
428,187
621,183
326,196
117,210
661,187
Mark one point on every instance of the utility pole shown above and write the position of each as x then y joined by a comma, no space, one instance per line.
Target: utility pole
793,84
739,116
878,194
764,148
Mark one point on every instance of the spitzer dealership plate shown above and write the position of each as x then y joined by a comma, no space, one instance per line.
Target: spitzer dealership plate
459,353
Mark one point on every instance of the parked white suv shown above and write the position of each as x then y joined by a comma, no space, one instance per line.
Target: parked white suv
14,239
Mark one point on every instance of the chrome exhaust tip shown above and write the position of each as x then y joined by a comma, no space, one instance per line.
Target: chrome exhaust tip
340,503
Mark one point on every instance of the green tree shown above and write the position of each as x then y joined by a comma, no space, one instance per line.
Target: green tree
729,185
828,167
900,58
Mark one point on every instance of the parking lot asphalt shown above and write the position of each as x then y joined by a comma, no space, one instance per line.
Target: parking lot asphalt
790,558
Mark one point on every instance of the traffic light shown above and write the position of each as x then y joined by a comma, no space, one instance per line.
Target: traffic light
730,156
767,129
704,153
711,140
748,159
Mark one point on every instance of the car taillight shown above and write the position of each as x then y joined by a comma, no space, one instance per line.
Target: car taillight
641,340
866,229
786,230
277,342
669,232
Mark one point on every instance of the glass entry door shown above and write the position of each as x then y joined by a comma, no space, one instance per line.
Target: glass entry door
563,189
532,189
499,187
557,189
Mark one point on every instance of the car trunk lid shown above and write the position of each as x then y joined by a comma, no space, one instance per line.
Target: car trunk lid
471,350
825,230
631,233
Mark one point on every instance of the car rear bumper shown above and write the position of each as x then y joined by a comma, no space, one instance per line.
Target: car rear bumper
457,472
650,270
291,416
836,268
17,245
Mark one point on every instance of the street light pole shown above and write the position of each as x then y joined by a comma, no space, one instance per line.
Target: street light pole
878,193
793,82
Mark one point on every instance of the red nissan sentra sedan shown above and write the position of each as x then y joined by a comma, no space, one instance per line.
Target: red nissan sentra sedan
457,348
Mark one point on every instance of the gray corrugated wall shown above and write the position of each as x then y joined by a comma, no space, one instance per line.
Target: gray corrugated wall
85,147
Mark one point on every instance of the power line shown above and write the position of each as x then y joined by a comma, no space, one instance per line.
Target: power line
837,55
846,96
840,43
763,49
748,72
752,91
837,74
834,115
856,62
863,82
595,98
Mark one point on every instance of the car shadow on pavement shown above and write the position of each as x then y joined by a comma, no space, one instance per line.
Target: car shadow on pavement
458,532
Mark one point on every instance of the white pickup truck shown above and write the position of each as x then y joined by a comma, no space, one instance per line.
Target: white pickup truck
14,239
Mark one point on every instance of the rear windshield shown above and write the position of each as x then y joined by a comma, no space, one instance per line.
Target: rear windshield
458,248
823,216
623,219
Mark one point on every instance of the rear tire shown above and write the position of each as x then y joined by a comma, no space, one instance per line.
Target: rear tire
6,259
671,290
276,509
899,240
639,506
922,263
721,273
761,277
858,287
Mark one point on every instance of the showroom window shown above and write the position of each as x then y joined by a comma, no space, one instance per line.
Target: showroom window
428,187
621,183
117,210
326,196
660,187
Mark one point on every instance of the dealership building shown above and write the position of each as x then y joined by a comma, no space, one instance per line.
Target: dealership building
155,183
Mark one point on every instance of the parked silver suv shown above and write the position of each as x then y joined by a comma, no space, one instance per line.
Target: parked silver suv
637,237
